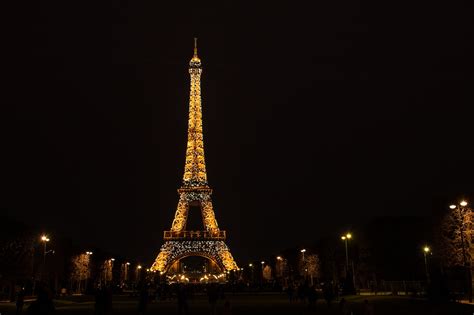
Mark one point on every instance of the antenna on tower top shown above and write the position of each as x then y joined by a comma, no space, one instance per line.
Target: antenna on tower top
195,46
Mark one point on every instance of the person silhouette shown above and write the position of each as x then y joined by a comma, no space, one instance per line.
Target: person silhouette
212,295
43,304
227,308
312,297
143,300
368,308
20,301
182,297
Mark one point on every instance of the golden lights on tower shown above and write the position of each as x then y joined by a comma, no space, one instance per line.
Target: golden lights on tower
194,190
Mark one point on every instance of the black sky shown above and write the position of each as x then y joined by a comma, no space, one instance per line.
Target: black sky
316,116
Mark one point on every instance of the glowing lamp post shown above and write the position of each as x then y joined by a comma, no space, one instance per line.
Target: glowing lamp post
252,276
467,266
302,252
426,251
45,241
346,238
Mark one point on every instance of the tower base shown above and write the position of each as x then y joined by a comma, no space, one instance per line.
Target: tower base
214,250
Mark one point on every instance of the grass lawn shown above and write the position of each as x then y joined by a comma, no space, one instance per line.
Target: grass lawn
263,304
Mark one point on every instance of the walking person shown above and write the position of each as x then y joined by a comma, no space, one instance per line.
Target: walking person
99,306
328,293
312,298
212,296
344,307
182,300
20,301
143,300
43,304
290,292
368,308
227,308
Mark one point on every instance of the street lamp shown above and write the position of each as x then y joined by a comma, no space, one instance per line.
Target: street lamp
45,239
346,238
426,251
279,258
467,266
302,252
89,253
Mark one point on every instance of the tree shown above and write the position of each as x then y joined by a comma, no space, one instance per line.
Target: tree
313,265
267,273
281,268
456,228
80,270
106,270
310,267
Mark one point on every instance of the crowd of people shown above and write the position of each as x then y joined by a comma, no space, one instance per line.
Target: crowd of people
183,294
296,292
309,294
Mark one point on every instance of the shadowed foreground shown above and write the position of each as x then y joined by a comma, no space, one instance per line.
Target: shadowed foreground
262,304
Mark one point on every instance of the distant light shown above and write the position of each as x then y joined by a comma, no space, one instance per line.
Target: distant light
426,249
112,259
349,235
343,238
262,262
303,250
128,264
250,265
139,267
44,238
279,258
463,203
89,253
452,207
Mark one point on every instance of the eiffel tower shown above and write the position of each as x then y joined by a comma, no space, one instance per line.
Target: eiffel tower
195,191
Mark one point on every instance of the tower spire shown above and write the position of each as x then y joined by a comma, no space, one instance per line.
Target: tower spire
195,47
195,167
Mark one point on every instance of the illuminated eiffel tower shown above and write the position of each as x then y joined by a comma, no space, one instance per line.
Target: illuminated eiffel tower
195,191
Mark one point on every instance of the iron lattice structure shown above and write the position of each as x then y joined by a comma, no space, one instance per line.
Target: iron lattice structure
179,242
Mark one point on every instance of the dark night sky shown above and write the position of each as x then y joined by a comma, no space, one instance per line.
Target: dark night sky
315,117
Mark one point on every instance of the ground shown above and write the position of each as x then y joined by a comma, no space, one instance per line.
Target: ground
262,304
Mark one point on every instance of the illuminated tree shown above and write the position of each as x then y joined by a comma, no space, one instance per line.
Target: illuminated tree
106,270
124,270
281,267
449,238
267,273
310,267
313,265
80,270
